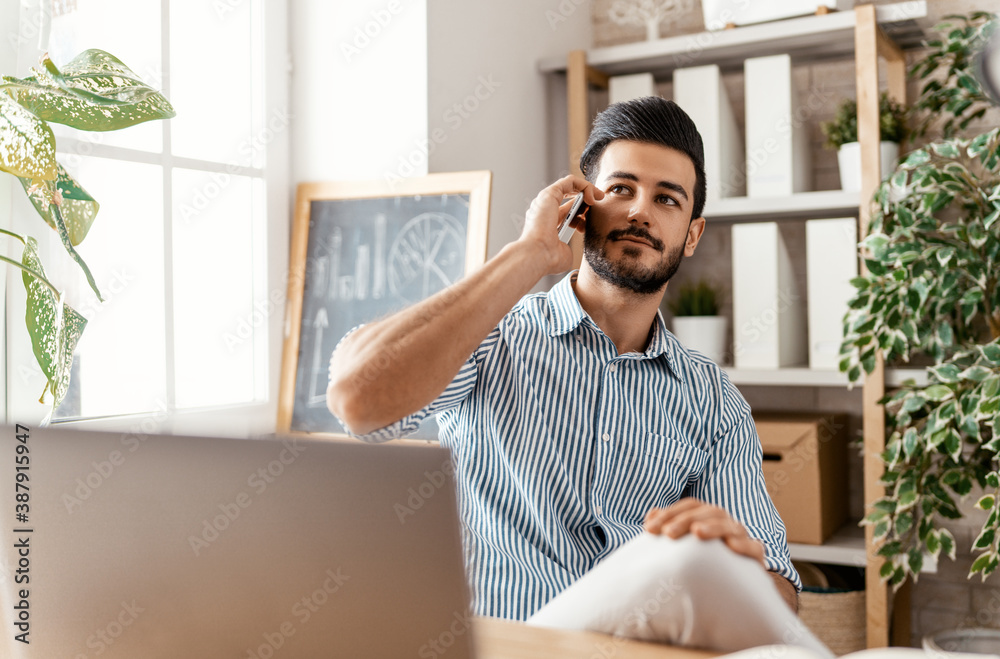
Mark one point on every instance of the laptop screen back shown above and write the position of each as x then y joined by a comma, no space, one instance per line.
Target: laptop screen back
166,546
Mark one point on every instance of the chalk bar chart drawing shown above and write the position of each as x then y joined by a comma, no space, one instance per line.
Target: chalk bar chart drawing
361,251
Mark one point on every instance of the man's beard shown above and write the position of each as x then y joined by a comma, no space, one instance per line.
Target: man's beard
629,274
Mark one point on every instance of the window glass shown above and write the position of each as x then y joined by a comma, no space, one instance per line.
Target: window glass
121,366
213,234
211,81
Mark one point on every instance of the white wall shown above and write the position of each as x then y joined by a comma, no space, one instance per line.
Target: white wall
375,85
359,87
489,102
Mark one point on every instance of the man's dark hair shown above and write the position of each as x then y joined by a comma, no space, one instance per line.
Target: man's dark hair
648,119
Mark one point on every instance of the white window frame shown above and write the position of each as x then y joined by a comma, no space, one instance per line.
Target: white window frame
270,20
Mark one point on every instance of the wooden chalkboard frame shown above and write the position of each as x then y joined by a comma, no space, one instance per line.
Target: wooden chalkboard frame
476,184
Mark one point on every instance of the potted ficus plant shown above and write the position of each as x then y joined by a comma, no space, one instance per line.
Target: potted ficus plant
696,322
932,292
842,135
93,92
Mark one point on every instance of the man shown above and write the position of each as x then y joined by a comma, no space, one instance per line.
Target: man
574,417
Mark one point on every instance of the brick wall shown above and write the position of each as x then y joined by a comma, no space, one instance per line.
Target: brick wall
946,599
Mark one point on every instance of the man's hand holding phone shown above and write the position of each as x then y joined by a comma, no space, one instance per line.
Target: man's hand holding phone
551,219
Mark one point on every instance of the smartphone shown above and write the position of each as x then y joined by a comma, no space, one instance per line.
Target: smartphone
578,207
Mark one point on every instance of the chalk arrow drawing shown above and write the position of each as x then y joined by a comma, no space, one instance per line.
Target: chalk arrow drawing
320,323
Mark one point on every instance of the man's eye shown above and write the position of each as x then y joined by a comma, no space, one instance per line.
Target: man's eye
664,199
618,189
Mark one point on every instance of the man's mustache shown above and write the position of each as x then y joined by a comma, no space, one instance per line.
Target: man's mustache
636,232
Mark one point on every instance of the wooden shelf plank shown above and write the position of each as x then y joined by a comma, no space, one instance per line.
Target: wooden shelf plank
845,547
895,377
803,376
795,376
809,38
803,205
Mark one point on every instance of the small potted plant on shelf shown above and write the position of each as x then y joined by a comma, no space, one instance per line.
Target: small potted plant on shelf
697,323
932,291
842,134
93,92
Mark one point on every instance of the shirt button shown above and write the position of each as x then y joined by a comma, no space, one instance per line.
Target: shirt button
606,437
579,338
612,368
598,510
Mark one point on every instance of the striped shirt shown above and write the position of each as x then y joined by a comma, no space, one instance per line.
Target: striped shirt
561,446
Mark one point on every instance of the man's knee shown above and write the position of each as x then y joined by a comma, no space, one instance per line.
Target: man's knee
694,560
695,566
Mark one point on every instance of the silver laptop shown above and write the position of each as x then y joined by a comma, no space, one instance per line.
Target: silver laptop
163,546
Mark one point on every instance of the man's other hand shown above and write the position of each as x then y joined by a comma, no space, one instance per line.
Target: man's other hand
704,521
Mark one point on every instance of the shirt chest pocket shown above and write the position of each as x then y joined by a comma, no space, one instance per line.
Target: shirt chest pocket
668,465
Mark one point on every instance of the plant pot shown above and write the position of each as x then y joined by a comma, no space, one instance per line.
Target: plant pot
706,334
963,643
849,160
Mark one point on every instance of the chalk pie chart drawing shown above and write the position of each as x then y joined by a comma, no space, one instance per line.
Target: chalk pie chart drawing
427,255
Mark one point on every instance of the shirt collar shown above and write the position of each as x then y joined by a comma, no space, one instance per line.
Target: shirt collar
659,343
566,314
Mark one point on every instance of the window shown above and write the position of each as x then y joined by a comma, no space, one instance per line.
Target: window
180,248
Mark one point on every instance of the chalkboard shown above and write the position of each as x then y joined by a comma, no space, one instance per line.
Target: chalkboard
360,251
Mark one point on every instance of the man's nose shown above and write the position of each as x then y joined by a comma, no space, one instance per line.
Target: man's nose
641,210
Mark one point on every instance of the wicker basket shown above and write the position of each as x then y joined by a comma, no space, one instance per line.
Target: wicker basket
837,618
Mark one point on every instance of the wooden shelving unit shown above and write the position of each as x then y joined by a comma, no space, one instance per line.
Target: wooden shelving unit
867,35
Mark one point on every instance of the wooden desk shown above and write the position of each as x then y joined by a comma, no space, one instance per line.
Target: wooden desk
505,639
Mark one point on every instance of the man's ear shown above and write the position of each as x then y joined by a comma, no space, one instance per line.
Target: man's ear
695,229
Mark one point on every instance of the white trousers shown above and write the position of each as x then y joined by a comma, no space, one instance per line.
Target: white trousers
687,592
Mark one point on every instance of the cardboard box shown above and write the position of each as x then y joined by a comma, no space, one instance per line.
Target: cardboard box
805,470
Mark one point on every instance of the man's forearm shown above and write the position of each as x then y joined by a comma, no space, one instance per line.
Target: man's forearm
787,590
396,366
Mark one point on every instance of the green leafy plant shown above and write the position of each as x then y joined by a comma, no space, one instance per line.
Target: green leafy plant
695,299
951,90
933,288
93,92
932,292
843,128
